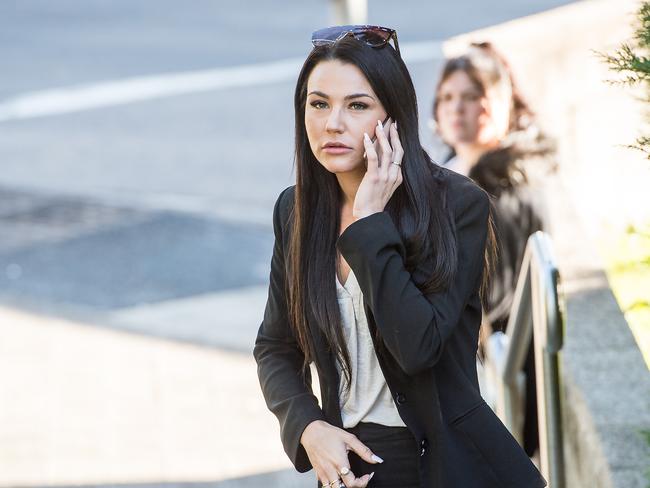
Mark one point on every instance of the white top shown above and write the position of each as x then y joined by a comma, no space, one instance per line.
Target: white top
369,399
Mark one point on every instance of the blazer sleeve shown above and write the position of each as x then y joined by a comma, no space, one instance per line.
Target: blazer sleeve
280,361
415,326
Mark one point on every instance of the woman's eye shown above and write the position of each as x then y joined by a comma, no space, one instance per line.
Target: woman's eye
360,105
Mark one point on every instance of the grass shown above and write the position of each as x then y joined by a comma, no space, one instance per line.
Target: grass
627,262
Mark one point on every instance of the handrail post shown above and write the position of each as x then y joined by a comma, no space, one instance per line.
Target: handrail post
548,340
535,315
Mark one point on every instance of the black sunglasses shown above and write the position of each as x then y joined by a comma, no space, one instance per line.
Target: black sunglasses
373,35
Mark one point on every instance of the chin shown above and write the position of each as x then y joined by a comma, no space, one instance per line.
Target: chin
464,138
341,165
461,136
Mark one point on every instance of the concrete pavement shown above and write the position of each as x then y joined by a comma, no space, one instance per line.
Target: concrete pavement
94,406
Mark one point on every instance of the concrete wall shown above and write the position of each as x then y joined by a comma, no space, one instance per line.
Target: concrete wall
601,188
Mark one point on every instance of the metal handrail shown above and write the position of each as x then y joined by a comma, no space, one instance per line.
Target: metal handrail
536,313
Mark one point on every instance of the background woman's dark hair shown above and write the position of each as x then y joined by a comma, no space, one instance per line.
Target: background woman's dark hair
418,207
486,67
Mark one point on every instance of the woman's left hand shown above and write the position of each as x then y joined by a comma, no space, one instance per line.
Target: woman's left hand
382,176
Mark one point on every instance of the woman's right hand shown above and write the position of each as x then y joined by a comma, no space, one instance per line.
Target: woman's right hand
327,447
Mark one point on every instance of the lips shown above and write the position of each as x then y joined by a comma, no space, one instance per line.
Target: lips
335,144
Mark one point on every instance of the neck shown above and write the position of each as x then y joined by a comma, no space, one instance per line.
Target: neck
349,183
470,153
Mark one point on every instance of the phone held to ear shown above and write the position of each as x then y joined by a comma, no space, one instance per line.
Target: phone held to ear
374,137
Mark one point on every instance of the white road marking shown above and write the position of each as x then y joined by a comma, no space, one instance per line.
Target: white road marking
130,90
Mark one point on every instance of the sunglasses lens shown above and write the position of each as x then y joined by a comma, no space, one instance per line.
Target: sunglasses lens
330,34
374,37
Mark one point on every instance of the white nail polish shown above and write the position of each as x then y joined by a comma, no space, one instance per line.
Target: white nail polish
377,458
379,123
396,125
371,475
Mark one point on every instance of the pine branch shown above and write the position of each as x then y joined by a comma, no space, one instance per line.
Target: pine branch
625,60
642,144
632,61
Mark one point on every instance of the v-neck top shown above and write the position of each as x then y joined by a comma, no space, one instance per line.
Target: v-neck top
369,399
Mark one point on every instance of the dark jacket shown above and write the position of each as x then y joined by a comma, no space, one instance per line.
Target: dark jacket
514,174
430,359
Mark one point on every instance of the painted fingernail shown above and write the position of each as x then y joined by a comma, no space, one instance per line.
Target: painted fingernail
396,125
377,458
379,124
365,136
371,475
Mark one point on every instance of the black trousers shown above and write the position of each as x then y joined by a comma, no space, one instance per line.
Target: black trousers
396,446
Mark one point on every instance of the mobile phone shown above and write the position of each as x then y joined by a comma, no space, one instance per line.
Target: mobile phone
374,138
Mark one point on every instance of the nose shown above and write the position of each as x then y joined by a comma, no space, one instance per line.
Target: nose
457,105
334,122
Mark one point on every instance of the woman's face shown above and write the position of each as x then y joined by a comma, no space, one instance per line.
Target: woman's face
340,107
463,112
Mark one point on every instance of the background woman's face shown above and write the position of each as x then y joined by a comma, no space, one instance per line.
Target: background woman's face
331,117
463,112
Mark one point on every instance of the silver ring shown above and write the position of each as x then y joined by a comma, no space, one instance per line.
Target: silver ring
345,471
397,163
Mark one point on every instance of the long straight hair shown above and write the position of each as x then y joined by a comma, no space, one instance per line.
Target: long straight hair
418,207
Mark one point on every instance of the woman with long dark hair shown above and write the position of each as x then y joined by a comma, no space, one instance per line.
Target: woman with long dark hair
379,267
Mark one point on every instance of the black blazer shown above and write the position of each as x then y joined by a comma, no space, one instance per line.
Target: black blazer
430,366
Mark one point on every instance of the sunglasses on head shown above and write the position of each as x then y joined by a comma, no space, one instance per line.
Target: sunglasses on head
372,35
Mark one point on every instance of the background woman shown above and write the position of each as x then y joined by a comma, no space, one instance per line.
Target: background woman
376,277
491,131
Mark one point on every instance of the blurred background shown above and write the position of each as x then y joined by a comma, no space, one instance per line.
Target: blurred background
142,146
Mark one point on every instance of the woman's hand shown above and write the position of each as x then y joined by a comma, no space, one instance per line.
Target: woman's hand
382,176
327,447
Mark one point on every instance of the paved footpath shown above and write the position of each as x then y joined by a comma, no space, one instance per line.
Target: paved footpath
95,406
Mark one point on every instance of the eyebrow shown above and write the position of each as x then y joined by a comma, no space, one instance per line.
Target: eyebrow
354,95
